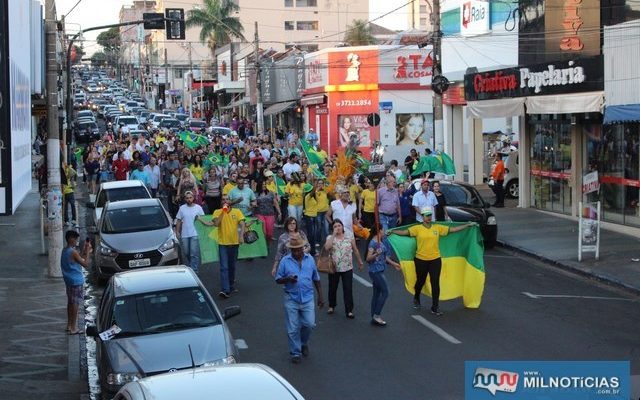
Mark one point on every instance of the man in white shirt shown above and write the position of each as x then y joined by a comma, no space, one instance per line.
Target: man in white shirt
154,174
424,198
290,167
344,210
187,215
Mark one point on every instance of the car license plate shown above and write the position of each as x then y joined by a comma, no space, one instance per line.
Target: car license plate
143,262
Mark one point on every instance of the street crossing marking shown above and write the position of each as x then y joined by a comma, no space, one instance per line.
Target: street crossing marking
362,280
571,296
435,328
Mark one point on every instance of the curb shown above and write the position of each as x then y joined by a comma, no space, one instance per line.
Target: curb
603,278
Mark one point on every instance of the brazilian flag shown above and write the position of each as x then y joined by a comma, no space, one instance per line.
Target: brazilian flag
217,159
440,163
208,237
193,140
280,185
463,272
314,157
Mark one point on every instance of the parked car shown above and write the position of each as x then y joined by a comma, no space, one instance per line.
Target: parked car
169,123
157,320
133,234
154,120
237,381
511,183
86,131
117,191
197,126
465,204
219,131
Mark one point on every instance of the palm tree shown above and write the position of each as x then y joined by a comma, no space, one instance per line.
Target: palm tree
359,34
217,25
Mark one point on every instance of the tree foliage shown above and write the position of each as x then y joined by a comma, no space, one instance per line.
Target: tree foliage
110,40
359,34
216,22
98,58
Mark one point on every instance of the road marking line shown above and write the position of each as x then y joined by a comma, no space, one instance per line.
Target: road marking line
571,296
439,331
362,280
241,344
498,256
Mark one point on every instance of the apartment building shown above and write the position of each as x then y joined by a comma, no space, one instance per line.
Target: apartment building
309,25
419,15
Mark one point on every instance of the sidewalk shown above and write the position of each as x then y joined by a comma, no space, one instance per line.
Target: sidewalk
38,359
554,239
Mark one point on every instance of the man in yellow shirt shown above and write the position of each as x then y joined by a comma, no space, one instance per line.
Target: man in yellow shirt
231,183
367,204
323,206
427,259
231,225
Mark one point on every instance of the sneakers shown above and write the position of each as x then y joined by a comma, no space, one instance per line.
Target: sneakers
296,359
305,350
436,311
224,295
416,304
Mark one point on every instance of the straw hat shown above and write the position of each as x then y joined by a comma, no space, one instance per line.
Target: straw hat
295,242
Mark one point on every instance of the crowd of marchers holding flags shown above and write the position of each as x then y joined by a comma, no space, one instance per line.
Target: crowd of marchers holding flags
307,202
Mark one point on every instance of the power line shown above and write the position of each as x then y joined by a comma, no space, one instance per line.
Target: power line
72,8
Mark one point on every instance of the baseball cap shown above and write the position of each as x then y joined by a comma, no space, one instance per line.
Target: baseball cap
426,211
268,173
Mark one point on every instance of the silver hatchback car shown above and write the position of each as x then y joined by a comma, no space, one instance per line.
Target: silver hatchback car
134,234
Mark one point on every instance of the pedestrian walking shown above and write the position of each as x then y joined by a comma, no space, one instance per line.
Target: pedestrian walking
242,197
310,219
389,210
298,273
367,204
294,191
231,225
291,229
323,206
342,247
140,174
498,181
68,194
71,264
213,188
343,209
153,171
267,208
187,215
423,199
378,256
427,259
441,208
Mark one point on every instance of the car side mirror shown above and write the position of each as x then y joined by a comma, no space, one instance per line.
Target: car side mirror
91,331
231,312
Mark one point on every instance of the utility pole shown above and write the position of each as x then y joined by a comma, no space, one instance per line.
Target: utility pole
140,70
437,70
54,194
259,110
166,79
189,84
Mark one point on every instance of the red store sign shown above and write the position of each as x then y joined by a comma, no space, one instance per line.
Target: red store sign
413,66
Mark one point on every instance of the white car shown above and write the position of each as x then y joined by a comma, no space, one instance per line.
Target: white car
117,191
127,122
237,381
155,119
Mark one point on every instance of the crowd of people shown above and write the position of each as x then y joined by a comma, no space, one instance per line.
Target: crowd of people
237,179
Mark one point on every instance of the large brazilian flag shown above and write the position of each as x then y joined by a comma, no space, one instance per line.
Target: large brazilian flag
462,264
208,237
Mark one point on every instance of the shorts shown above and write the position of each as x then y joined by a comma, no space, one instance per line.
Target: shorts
75,294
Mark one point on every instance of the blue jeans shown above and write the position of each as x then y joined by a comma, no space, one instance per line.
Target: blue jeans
191,252
388,221
380,292
295,212
312,232
300,320
322,226
228,258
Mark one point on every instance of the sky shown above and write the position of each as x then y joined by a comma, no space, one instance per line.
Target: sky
90,13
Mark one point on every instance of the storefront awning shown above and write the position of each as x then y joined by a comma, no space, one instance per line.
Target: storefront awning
621,114
496,108
566,103
313,100
278,108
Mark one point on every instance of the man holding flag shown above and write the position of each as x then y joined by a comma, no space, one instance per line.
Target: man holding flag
427,258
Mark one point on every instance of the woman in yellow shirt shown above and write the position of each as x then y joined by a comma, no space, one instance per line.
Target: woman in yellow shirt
354,191
197,169
323,206
310,219
367,204
294,191
427,259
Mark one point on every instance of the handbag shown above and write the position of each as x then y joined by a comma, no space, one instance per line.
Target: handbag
250,237
324,262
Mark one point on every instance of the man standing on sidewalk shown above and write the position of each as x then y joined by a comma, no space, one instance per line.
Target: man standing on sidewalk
389,205
498,181
68,194
186,231
298,273
71,263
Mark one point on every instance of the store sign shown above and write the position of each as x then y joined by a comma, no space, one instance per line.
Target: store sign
589,229
405,65
474,18
572,27
224,66
590,183
314,72
322,111
579,75
413,66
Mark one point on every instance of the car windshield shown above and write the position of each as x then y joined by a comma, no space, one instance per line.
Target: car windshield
198,124
128,121
170,123
163,311
221,131
181,117
461,196
135,219
119,194
90,125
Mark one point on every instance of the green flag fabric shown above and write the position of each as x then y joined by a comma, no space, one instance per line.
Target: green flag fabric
193,140
312,154
463,273
208,237
280,185
216,159
439,163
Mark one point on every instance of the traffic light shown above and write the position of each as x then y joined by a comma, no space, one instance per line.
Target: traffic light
174,25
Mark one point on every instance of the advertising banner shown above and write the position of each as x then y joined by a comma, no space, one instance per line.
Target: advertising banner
413,129
354,129
474,18
405,65
590,183
589,229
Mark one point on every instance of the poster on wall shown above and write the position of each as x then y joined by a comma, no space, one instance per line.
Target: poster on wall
413,129
354,130
589,229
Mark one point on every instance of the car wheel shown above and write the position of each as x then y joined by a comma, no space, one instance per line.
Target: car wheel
513,189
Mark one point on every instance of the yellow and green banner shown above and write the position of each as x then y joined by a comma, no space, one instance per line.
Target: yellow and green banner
208,237
462,264
440,163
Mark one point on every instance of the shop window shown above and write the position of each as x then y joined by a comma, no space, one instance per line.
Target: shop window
423,9
307,25
613,150
306,3
288,25
178,72
288,3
